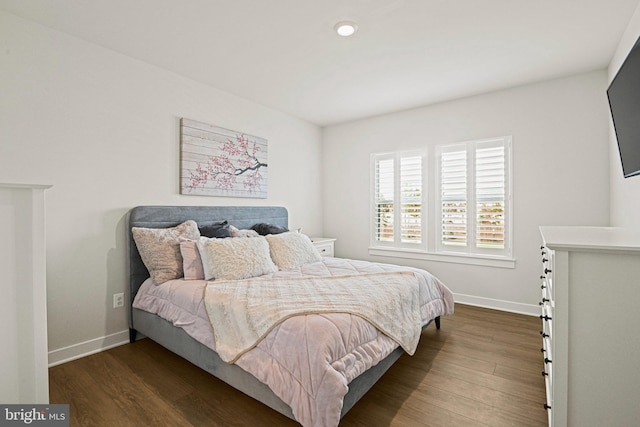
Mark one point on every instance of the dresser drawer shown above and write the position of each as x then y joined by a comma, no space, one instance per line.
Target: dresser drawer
549,403
324,245
546,315
325,249
547,271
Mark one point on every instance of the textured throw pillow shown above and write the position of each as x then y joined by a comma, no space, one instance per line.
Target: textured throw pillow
242,233
263,229
291,250
160,249
234,259
191,261
218,229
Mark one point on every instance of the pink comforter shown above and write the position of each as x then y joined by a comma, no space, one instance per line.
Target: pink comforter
309,360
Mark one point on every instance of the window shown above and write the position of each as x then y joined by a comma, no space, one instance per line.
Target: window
469,207
474,197
398,193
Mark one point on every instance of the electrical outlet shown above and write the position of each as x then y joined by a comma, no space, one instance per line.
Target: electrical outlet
118,300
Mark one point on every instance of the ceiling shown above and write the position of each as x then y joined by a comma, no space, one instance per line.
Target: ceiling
407,53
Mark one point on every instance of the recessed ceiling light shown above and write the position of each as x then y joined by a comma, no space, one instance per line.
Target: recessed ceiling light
346,28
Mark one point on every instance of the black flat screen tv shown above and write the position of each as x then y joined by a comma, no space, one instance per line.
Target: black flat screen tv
624,103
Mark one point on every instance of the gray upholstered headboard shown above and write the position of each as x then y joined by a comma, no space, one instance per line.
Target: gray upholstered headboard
169,216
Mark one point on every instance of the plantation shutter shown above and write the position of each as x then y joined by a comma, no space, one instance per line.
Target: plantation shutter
490,197
384,189
453,197
411,199
471,203
398,200
475,197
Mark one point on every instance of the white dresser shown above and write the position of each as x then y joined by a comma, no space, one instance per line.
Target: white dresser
590,311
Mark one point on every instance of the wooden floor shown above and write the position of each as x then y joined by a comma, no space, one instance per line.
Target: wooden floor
481,368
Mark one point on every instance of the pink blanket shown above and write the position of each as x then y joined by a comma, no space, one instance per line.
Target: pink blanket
243,312
312,377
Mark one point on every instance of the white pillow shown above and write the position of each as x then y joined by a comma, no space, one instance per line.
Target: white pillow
234,259
292,249
160,249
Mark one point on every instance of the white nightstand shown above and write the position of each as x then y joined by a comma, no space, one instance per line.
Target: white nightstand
324,245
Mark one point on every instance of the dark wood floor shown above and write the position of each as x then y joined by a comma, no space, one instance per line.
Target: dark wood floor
481,368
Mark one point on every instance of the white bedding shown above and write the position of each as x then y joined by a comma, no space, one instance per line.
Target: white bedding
313,389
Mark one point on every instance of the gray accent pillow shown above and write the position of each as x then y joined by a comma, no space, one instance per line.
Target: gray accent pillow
234,259
219,229
290,250
263,228
160,249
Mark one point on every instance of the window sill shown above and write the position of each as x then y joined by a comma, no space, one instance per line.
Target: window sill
479,260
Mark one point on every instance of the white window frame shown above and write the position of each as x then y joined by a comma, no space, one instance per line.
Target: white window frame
472,248
397,242
431,248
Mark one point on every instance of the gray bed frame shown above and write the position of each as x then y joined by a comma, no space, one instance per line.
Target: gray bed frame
179,342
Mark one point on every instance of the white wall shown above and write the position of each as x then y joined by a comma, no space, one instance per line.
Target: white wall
104,130
625,192
560,155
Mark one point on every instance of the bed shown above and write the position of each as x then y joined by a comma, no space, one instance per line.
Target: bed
174,334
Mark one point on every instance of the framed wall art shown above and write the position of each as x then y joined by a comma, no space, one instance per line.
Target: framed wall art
220,162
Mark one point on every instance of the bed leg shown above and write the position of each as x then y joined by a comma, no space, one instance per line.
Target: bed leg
437,320
132,335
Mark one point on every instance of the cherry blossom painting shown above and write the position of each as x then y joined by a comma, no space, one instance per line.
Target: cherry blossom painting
221,162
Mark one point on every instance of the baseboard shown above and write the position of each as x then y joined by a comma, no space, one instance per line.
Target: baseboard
76,351
496,304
